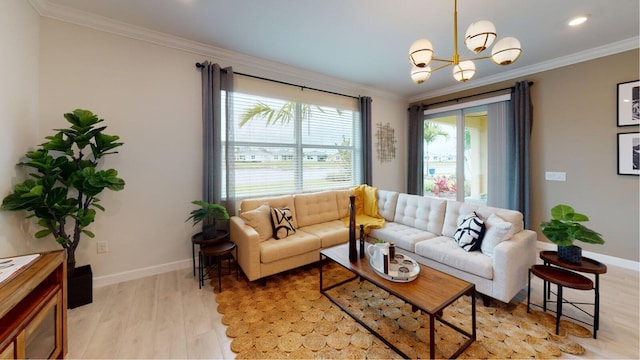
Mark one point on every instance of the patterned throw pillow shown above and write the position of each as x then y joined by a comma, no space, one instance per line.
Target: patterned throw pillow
282,222
470,232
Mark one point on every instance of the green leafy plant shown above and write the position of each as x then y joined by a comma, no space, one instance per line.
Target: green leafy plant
62,190
380,241
208,214
565,227
207,210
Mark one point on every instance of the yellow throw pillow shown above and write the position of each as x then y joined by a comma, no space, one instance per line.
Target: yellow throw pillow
370,201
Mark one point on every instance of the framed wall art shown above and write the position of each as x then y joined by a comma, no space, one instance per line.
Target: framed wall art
629,103
629,153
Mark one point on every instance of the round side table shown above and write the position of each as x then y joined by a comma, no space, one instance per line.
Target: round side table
196,239
587,266
217,251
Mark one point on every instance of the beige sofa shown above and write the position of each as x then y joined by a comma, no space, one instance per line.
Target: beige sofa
421,227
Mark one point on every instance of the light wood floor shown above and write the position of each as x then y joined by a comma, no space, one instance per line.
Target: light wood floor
167,316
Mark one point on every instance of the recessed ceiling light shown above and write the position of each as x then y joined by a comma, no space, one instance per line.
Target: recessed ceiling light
578,20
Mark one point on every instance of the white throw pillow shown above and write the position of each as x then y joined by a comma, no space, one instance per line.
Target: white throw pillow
470,232
498,231
260,220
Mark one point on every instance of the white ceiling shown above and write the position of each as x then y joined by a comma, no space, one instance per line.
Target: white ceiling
366,41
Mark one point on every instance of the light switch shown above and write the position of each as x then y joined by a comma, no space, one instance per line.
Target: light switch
555,176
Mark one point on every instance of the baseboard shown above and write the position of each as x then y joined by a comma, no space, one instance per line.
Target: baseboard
605,259
140,273
183,264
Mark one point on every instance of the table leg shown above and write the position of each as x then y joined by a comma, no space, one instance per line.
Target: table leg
529,292
432,340
545,292
596,315
558,309
193,257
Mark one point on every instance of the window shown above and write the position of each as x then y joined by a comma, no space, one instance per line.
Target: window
283,145
464,152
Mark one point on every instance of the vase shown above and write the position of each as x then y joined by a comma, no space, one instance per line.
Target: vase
571,254
353,250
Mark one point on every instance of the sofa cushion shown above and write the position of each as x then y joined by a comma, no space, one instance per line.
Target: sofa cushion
455,210
498,231
260,220
274,202
281,221
405,237
512,216
470,232
387,202
299,243
316,208
342,198
330,233
445,250
424,213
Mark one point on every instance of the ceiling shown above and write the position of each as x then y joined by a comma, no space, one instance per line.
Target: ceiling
367,42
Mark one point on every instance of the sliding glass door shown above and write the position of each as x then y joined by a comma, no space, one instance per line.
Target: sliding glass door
455,154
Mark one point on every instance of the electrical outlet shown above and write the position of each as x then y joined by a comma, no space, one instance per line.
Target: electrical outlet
555,176
102,247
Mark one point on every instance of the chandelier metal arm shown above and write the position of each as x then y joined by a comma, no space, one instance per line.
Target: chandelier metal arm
479,36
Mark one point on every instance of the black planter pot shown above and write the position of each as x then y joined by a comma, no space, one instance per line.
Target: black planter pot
571,254
80,287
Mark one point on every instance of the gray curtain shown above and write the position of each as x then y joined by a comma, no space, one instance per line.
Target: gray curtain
519,159
415,175
365,114
215,80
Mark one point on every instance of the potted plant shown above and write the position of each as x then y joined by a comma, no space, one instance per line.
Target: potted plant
209,213
564,228
62,191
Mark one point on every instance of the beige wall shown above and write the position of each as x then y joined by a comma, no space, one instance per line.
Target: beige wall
574,131
150,96
18,111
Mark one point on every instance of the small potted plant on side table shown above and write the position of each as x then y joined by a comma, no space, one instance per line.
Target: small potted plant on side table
564,228
210,214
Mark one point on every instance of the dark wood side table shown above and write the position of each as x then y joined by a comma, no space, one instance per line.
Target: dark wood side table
221,235
587,266
217,251
562,278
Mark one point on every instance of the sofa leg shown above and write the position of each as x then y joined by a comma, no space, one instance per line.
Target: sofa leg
263,282
486,300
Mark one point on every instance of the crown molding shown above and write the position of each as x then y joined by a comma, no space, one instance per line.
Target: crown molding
606,50
257,66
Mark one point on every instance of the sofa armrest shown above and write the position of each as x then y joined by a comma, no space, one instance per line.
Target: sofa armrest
511,262
248,242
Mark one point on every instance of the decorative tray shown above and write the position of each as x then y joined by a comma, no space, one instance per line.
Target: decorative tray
401,269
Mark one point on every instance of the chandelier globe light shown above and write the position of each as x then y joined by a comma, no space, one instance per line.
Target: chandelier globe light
478,37
420,74
464,70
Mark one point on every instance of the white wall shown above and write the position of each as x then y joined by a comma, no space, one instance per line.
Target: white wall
390,175
150,96
18,113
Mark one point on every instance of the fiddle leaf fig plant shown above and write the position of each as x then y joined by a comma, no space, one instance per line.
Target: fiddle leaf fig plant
61,191
565,227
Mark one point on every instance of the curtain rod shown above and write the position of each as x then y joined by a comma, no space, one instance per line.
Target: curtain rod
424,107
302,87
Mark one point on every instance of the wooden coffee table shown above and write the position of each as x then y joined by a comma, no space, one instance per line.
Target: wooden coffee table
431,292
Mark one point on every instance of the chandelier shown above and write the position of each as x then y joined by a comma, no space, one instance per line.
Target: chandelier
479,36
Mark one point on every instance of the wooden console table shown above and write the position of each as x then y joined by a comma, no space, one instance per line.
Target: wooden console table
33,309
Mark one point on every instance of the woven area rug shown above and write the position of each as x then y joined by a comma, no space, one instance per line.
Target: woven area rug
289,318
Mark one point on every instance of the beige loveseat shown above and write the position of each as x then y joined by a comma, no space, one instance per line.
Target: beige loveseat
422,227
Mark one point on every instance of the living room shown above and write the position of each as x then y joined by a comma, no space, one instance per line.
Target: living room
148,92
